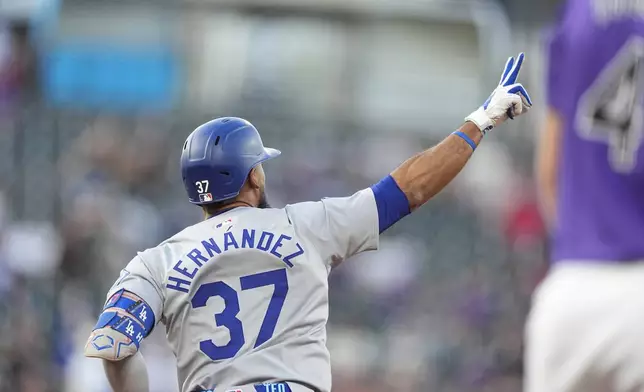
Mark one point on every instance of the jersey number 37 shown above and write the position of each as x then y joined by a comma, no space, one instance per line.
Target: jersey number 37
228,317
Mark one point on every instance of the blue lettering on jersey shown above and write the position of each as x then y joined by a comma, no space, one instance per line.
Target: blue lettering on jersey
177,284
196,256
248,238
211,247
278,244
293,255
265,242
229,240
184,271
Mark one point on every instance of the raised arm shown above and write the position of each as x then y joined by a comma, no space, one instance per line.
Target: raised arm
346,226
427,173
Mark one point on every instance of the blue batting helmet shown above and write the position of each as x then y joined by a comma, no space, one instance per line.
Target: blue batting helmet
217,157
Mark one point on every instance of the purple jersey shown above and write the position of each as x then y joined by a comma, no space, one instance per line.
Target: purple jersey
596,84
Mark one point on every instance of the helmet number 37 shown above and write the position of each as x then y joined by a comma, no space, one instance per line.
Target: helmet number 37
202,186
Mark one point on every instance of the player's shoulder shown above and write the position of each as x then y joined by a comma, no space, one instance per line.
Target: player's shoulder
311,210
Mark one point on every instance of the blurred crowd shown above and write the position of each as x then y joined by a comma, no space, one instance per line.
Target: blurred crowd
439,308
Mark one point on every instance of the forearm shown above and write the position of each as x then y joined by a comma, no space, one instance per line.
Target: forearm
427,173
127,375
421,177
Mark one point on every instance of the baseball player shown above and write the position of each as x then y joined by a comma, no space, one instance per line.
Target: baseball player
243,294
586,328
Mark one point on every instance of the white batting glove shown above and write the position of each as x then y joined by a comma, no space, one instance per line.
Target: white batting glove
508,100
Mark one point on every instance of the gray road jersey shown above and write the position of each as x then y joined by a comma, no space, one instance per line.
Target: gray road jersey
244,295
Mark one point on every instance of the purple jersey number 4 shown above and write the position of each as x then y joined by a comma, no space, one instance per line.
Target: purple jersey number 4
611,109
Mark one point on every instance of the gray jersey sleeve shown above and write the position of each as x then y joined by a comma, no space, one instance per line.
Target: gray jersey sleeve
138,278
338,227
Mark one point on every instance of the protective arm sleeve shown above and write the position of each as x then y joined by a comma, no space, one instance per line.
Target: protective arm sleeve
133,307
125,321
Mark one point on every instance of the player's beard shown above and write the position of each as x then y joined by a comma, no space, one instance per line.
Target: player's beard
263,203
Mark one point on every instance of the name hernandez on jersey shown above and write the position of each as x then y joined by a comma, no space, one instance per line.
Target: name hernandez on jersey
183,273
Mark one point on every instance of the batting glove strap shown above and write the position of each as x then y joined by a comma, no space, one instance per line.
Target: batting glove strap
481,119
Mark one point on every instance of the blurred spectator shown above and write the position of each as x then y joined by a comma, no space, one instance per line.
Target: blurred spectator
17,64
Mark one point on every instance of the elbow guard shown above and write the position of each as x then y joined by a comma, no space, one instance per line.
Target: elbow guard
125,321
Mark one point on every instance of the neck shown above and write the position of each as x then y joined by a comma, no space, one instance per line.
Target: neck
228,207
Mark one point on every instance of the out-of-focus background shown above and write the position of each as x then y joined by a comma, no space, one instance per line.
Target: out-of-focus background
96,98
